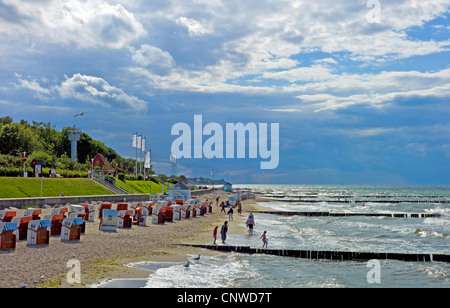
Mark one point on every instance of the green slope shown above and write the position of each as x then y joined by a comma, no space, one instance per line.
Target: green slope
15,187
140,187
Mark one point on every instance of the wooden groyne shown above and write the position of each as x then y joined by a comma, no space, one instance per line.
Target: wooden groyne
359,201
318,214
329,255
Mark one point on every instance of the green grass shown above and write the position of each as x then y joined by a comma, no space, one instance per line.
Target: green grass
140,187
15,187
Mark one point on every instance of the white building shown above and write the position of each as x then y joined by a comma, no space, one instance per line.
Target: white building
180,191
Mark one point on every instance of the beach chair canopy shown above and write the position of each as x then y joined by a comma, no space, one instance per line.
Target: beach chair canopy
5,213
45,223
124,213
69,222
22,220
8,226
36,224
31,212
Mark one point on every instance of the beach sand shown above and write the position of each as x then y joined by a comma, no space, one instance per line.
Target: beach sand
103,255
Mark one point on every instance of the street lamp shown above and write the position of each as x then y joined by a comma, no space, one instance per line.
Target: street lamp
24,159
42,180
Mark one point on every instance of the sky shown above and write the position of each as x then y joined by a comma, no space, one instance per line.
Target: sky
360,89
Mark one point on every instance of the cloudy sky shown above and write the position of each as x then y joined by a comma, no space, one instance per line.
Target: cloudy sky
360,89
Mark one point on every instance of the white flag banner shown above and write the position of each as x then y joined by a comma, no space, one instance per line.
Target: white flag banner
139,140
143,144
134,141
147,163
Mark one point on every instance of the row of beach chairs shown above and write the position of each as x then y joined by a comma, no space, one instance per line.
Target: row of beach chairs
69,223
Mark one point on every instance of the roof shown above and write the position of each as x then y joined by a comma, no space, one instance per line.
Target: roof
179,186
101,161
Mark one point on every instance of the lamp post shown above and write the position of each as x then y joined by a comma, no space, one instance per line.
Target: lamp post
42,180
24,159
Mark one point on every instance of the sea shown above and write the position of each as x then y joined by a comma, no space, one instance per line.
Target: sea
429,235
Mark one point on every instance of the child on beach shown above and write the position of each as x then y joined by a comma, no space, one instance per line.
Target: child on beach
215,234
264,239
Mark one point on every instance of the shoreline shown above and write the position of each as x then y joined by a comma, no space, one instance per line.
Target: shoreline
179,254
104,256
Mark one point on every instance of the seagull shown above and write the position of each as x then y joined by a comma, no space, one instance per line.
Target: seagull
197,258
187,264
79,114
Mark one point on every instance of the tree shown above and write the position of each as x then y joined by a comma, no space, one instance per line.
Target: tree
182,179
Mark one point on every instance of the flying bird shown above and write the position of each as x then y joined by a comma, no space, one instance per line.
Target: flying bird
79,114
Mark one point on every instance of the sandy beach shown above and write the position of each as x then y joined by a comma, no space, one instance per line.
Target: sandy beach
102,255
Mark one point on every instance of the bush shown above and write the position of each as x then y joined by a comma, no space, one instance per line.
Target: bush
121,176
130,177
110,179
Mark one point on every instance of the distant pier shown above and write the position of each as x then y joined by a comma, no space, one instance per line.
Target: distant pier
329,255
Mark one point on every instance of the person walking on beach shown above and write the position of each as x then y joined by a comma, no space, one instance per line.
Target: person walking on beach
222,205
223,231
230,214
215,235
250,223
264,239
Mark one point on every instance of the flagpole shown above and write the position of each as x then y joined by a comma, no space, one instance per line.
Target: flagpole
151,196
135,166
140,157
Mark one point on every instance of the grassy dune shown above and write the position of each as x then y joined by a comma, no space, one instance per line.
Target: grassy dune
140,187
15,187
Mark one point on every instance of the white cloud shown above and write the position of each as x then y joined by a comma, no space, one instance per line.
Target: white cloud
326,61
194,27
84,23
287,110
313,73
258,42
377,90
32,85
96,90
149,55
